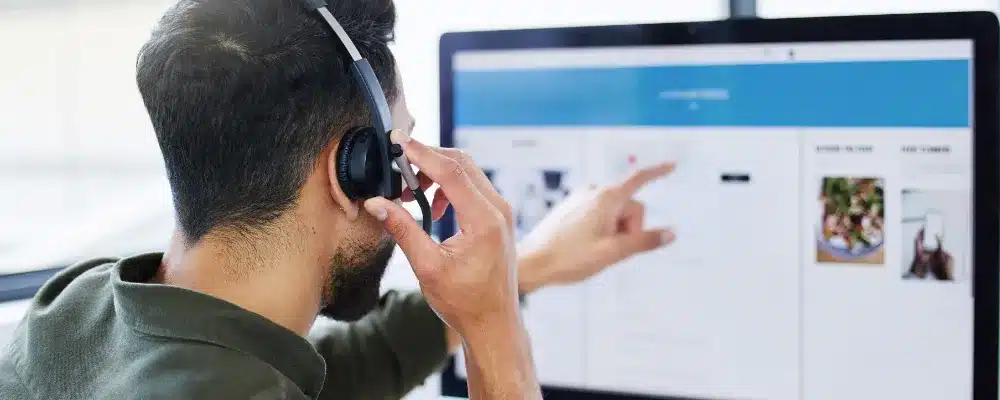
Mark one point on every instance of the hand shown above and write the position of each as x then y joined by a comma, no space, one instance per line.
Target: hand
594,231
918,242
470,279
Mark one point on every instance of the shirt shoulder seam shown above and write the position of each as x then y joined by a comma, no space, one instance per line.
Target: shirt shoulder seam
159,336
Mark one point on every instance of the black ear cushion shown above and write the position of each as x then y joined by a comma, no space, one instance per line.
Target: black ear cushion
344,151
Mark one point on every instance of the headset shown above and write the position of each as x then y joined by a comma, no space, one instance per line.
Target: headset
365,154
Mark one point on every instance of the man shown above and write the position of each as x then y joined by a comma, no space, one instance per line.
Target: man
248,100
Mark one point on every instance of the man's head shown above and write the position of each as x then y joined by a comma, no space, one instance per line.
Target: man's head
249,100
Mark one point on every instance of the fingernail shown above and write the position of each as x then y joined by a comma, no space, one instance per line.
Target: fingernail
398,136
667,236
376,209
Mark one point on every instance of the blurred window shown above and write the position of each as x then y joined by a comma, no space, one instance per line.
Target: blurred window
80,169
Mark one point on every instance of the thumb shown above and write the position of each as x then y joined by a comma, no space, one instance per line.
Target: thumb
629,244
410,237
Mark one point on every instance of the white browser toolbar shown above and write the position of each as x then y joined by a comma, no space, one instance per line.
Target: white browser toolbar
659,55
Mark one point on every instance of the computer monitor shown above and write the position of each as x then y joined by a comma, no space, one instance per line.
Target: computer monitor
835,201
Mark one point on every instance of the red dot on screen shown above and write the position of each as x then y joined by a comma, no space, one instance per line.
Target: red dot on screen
631,159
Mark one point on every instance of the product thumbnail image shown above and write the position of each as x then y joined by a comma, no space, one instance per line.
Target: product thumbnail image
850,227
934,228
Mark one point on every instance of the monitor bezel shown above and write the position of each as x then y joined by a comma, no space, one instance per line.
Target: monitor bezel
980,27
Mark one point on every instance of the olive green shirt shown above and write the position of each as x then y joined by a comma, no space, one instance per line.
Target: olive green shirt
98,331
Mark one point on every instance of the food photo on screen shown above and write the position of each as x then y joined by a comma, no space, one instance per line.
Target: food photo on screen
851,223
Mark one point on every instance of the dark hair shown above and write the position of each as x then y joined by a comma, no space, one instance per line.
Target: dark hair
245,94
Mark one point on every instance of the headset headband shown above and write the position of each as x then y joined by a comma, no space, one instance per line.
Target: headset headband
364,75
362,72
381,118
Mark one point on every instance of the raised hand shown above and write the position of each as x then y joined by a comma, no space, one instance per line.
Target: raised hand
470,279
592,231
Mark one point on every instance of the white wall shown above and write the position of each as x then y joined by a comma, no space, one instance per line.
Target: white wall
76,144
69,83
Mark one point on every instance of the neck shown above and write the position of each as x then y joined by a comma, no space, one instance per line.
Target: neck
279,282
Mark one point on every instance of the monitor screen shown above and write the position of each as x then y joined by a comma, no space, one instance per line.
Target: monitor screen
821,201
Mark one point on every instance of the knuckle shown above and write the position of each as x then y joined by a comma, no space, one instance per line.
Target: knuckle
456,169
493,231
446,169
607,195
495,227
652,242
638,179
463,158
644,173
450,152
506,211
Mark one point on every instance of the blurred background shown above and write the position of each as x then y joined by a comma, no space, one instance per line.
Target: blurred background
79,166
80,170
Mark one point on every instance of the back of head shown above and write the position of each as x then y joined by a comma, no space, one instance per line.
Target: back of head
244,95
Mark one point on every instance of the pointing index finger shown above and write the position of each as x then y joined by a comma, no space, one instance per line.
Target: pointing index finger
643,177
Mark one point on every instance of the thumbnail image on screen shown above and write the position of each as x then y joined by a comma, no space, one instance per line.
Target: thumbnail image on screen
933,252
852,226
532,192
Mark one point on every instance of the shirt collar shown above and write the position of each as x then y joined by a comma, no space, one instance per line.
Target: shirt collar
174,312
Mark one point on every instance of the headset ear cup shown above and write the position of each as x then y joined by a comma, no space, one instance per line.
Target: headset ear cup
345,151
360,164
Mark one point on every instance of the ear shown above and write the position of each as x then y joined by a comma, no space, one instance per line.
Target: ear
349,206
